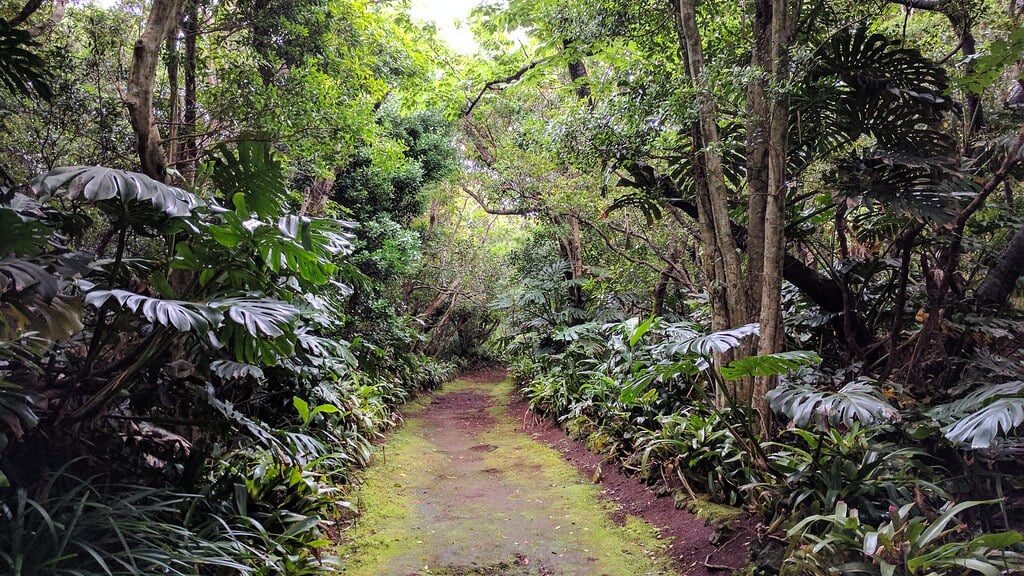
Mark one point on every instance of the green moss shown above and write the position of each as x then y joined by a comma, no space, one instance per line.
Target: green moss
703,508
547,495
383,500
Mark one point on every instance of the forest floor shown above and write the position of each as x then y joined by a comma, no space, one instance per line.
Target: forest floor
475,485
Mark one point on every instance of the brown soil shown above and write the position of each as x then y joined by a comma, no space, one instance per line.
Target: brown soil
691,548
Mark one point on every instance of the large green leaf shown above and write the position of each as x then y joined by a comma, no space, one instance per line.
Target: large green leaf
231,370
99,184
864,84
20,235
182,316
19,275
720,342
18,410
22,71
977,419
913,187
260,317
859,400
769,364
980,429
251,169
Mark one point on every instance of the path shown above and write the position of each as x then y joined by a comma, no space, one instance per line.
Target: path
459,491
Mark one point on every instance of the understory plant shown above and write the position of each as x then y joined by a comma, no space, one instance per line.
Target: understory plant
197,345
911,541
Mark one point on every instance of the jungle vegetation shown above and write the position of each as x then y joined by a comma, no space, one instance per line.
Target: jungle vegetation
767,252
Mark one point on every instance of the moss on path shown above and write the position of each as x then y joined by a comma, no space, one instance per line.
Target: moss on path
459,490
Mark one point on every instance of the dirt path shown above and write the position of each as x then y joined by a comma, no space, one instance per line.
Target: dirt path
460,490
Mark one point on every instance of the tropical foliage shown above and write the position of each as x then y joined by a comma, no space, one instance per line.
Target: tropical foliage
766,253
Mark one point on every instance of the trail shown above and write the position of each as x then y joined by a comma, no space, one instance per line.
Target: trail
458,490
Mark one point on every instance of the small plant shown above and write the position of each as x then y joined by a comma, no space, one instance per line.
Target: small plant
848,465
839,543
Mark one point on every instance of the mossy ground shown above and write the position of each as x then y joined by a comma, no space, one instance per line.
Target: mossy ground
458,490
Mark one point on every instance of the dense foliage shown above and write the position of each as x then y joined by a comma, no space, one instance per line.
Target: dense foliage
195,361
766,253
694,173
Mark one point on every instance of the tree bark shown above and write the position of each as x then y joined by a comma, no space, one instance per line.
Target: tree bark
757,151
190,146
141,78
314,198
712,198
578,75
772,337
1002,277
174,99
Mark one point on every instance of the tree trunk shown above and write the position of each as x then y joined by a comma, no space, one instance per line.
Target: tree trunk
974,113
578,75
190,147
757,152
314,198
772,338
712,199
997,286
141,78
174,98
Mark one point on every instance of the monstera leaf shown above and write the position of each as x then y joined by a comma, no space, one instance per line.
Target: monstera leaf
977,419
182,316
251,169
911,187
261,318
867,85
99,184
20,235
769,364
707,345
231,370
19,275
859,401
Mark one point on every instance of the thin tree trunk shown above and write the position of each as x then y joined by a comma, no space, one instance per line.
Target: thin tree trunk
141,78
314,198
757,152
578,75
174,99
190,147
715,202
1002,277
772,338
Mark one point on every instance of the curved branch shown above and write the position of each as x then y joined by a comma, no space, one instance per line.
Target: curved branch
502,83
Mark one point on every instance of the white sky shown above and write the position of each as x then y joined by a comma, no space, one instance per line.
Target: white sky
444,14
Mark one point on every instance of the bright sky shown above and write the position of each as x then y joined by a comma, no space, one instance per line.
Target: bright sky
444,14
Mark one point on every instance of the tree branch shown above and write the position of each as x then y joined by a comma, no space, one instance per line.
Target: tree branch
502,83
922,4
496,211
